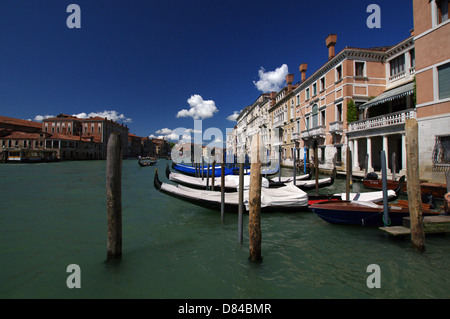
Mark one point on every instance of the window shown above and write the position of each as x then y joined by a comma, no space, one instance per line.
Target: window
315,115
339,112
322,84
307,93
314,89
359,68
92,128
412,55
444,81
298,99
322,118
307,123
397,65
339,72
442,7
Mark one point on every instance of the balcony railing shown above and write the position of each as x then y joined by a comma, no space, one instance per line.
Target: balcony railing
383,120
313,132
296,136
397,76
336,127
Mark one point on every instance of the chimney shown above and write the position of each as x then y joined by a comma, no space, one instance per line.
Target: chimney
331,42
302,69
272,98
289,80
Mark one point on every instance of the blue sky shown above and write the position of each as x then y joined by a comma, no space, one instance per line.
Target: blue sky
142,60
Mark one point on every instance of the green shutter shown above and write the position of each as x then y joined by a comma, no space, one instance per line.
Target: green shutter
444,81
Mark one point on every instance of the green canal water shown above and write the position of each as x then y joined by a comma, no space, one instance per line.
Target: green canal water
53,215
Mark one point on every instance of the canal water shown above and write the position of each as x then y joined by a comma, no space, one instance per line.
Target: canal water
54,215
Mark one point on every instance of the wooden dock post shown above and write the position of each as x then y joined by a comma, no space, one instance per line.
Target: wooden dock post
213,174
294,166
222,189
348,173
394,166
241,203
384,188
316,167
114,196
254,218
413,184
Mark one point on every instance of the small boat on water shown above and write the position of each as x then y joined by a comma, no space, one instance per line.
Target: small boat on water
231,182
144,162
283,199
311,184
361,213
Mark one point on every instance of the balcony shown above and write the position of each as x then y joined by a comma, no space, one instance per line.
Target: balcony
383,121
336,127
296,136
314,132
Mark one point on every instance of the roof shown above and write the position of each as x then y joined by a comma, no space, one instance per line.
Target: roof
389,95
19,122
22,136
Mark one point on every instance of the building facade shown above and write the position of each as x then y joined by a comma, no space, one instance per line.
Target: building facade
361,98
432,43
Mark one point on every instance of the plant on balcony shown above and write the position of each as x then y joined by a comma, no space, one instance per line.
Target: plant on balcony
352,112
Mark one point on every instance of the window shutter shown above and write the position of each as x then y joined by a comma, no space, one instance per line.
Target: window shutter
444,81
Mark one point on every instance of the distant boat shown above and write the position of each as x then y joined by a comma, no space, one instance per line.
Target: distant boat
283,199
143,162
29,156
361,213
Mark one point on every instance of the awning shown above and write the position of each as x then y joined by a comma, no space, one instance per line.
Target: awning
390,95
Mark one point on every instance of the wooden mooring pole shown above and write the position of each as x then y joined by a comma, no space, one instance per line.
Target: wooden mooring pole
348,173
114,196
413,184
222,189
241,203
254,219
316,167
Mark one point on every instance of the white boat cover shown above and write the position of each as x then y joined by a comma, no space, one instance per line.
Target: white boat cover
290,196
286,179
309,182
367,197
231,181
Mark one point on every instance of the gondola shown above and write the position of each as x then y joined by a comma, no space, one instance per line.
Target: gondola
361,213
282,199
145,163
311,184
231,182
287,179
190,170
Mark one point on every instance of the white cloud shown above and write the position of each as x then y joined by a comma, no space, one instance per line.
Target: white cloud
164,131
271,81
199,108
110,115
233,117
40,118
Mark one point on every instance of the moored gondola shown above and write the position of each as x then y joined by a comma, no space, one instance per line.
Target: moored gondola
283,199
